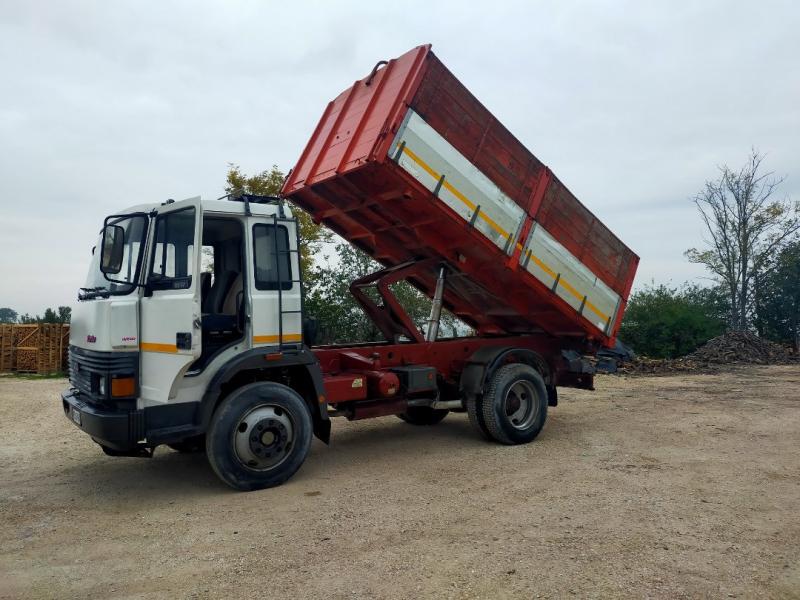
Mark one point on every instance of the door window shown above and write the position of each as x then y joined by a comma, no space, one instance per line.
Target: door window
271,266
173,251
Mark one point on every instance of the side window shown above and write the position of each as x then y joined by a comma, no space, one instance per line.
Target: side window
271,267
129,259
171,267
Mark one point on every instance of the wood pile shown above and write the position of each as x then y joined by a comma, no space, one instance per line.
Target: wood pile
732,348
742,347
26,348
35,348
6,348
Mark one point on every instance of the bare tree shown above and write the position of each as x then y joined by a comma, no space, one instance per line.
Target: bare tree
746,227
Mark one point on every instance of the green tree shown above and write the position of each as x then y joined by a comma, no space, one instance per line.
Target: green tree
8,315
61,315
778,299
341,318
664,322
269,183
746,227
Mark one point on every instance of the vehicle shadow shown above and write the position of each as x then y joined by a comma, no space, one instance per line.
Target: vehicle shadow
166,476
170,475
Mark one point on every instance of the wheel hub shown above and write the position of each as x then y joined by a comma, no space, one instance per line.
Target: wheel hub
521,407
268,436
263,437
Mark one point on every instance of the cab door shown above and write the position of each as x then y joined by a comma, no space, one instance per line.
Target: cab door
274,278
170,315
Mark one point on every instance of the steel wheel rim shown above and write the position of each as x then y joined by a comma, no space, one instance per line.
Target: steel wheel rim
264,437
520,404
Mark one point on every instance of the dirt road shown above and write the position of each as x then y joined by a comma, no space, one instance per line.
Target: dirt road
649,487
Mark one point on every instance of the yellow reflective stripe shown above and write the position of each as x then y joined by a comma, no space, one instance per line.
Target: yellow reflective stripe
542,266
595,310
273,339
471,205
565,284
453,190
580,297
422,163
153,347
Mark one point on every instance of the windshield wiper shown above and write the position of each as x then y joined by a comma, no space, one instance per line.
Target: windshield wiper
94,292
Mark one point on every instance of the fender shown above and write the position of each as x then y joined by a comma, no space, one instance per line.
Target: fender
255,361
481,366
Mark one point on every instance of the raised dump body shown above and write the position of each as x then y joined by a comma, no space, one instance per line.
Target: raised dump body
408,165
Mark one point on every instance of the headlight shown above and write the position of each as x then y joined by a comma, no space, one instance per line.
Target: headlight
101,386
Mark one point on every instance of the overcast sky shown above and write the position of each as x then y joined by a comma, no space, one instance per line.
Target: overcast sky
632,104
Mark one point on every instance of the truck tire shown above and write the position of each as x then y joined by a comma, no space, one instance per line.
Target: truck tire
423,415
515,404
259,436
190,445
475,412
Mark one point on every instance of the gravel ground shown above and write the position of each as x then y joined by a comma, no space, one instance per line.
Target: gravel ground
663,487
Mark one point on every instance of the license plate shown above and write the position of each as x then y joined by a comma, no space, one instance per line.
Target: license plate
76,416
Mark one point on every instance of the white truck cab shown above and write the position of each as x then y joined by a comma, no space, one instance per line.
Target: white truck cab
179,299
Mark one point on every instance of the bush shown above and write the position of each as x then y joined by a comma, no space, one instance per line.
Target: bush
664,322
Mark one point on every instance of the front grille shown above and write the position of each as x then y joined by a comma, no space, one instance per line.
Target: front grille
86,366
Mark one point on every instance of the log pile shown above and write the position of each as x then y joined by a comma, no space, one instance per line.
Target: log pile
26,348
665,366
732,348
35,348
741,347
6,348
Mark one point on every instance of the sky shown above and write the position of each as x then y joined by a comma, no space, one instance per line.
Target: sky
634,105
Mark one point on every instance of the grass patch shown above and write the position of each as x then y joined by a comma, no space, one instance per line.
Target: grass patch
58,375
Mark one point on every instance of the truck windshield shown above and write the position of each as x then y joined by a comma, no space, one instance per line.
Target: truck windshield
97,285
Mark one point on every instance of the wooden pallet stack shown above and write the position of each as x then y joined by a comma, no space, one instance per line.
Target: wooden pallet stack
64,348
6,348
34,348
26,348
51,351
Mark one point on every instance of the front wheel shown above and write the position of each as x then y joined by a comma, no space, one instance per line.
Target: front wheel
259,436
514,407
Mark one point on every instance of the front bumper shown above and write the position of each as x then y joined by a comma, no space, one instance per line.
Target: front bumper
117,430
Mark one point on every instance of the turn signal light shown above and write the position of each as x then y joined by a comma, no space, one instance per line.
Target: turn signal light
124,386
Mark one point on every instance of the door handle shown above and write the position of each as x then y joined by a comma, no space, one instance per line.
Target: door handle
183,340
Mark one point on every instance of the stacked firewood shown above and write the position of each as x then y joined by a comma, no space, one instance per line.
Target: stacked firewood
26,360
6,348
33,348
26,348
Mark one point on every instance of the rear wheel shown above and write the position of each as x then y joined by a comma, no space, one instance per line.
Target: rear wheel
423,415
475,412
514,406
259,437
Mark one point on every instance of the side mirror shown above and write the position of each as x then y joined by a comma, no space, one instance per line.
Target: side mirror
113,248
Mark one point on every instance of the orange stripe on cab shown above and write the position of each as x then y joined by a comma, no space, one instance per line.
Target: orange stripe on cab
273,339
153,347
